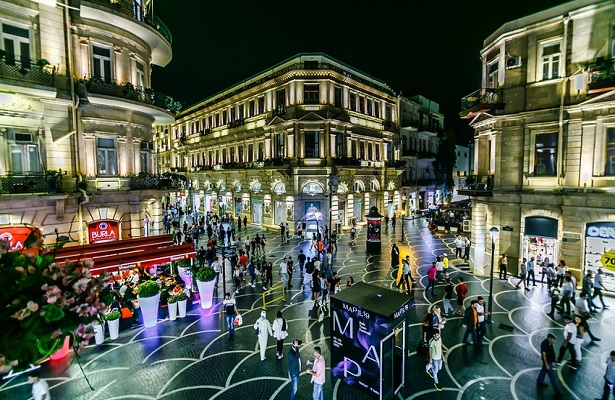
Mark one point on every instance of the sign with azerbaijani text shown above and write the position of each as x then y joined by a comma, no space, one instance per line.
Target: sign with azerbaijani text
106,230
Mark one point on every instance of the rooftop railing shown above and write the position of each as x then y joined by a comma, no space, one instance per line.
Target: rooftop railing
482,97
29,184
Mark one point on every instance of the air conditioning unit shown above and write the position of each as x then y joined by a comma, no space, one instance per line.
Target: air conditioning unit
513,62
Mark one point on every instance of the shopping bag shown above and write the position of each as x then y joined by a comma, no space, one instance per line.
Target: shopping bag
238,320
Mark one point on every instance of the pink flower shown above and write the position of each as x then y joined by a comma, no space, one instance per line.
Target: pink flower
32,306
53,293
56,334
81,285
83,309
22,314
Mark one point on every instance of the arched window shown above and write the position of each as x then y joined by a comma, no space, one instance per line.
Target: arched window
256,187
312,188
374,186
358,187
279,188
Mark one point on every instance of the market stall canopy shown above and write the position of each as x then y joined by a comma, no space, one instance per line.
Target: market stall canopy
126,254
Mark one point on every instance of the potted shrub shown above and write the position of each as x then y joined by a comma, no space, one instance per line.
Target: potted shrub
185,272
441,225
454,227
205,281
182,299
113,322
148,294
172,304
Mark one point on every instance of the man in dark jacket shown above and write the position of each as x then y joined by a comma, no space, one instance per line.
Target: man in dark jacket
547,355
470,321
294,367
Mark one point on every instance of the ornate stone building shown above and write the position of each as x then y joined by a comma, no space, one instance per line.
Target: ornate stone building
544,123
77,114
266,147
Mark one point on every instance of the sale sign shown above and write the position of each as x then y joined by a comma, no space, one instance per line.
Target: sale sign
600,249
103,231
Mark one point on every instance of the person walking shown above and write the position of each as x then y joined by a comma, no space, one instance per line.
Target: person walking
467,246
530,272
432,272
503,266
470,321
448,295
586,286
40,387
564,303
405,279
599,287
439,268
547,356
301,259
436,358
570,338
394,256
282,232
522,274
284,273
294,367
438,321
318,373
459,244
267,275
279,333
582,311
554,300
480,327
263,328
230,308
609,378
461,290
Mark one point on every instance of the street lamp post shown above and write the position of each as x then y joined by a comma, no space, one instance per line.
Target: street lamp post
333,182
403,214
494,232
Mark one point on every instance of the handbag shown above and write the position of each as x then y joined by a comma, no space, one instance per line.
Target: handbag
238,320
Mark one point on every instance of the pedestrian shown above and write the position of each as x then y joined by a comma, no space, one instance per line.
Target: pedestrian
436,358
263,330
267,275
405,279
407,260
554,300
448,295
279,333
318,373
582,311
503,266
599,287
547,356
560,271
439,268
609,377
393,220
459,244
245,222
544,271
40,387
301,258
287,230
530,272
438,320
323,290
587,285
431,276
230,308
461,290
349,282
580,337
470,321
284,273
394,256
467,246
294,367
480,327
566,295
282,232
522,274
251,270
570,338
444,266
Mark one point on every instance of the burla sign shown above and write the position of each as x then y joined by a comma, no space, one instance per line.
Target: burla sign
103,231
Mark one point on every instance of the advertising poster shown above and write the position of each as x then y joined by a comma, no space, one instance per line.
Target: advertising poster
600,250
103,231
356,336
373,230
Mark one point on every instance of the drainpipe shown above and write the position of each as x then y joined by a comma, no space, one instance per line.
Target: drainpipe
75,120
561,151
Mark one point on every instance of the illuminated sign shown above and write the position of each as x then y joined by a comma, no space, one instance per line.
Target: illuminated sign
103,231
600,250
17,235
373,230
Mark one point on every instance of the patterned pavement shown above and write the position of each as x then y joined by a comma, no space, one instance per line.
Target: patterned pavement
192,358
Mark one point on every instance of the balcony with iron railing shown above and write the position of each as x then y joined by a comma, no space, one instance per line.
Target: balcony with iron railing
145,181
25,70
481,100
476,185
134,10
601,76
31,184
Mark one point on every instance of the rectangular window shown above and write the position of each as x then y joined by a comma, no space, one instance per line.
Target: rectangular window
362,150
493,71
24,155
146,156
240,152
550,56
251,108
217,159
280,98
210,158
261,151
210,121
101,63
545,154
369,107
370,149
610,152
224,159
279,145
337,97
362,104
106,157
339,145
377,158
388,114
241,111
232,114
353,102
250,152
16,45
310,93
233,154
261,105
140,71
312,148
353,149
377,109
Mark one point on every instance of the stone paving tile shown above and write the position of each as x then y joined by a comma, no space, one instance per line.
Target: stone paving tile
193,358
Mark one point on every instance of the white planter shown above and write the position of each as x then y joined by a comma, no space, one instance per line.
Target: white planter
173,311
181,308
206,292
99,333
186,276
149,309
441,228
114,328
454,229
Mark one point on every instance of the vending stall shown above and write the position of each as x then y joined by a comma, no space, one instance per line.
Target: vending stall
368,334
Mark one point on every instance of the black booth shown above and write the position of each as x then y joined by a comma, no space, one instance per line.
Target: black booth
368,336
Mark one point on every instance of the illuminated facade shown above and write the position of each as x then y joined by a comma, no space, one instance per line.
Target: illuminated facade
77,115
265,147
544,124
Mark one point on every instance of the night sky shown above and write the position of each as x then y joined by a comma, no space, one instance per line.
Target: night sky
417,47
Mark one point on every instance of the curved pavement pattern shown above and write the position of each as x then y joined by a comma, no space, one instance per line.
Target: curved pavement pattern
192,358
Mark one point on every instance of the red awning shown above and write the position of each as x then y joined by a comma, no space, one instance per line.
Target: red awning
130,253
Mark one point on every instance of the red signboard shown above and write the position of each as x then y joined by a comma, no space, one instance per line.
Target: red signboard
17,235
106,230
373,230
